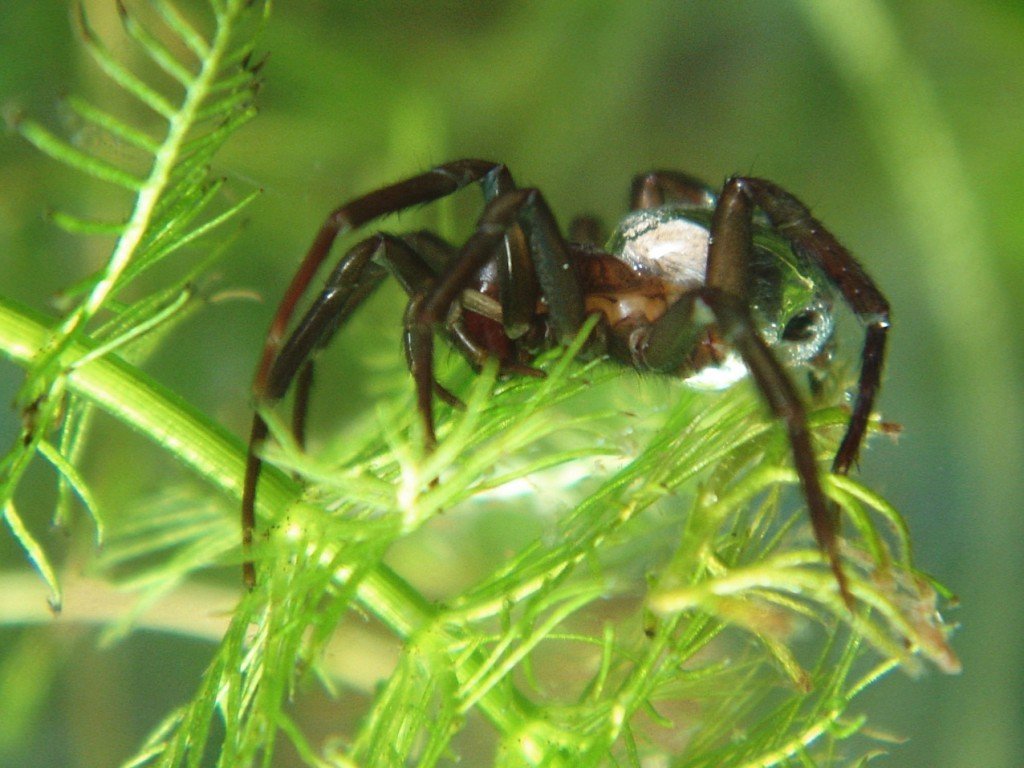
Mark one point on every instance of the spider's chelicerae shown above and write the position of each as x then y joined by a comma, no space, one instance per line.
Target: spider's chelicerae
694,284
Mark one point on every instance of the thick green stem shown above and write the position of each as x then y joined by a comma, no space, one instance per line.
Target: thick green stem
216,455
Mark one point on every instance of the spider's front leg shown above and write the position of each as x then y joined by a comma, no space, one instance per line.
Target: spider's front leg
436,183
273,373
673,336
794,221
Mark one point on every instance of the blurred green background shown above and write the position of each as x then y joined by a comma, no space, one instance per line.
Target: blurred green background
900,123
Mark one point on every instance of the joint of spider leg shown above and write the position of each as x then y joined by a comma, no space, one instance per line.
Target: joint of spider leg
877,320
460,180
492,180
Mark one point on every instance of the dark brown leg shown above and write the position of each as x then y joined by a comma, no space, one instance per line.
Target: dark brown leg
673,336
352,281
739,331
300,406
331,310
555,271
272,376
657,188
427,187
436,252
793,220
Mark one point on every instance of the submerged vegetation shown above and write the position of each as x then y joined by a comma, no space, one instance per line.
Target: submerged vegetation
591,569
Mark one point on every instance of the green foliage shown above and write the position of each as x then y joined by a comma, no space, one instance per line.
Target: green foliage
706,637
174,203
665,602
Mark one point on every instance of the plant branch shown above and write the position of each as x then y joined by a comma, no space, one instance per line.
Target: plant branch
217,456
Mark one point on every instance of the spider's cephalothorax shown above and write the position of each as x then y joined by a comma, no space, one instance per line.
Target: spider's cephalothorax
692,284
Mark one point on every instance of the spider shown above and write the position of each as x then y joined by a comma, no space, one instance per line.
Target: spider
704,286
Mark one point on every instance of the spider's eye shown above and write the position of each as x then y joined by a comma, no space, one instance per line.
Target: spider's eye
801,327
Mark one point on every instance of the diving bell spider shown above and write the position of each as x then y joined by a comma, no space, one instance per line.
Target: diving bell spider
693,284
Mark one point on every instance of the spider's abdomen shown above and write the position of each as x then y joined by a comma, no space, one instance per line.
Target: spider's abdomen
665,243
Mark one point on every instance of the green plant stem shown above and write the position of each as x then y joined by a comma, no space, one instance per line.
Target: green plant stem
140,402
218,457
